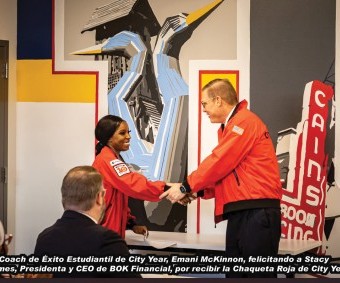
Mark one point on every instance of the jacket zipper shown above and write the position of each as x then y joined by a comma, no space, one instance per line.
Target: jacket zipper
236,177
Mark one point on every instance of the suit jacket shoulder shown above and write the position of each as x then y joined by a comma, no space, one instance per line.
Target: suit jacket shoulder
77,235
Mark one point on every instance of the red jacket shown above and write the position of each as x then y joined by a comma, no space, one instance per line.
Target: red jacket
120,183
242,171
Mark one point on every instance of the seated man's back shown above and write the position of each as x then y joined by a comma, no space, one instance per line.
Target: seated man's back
77,233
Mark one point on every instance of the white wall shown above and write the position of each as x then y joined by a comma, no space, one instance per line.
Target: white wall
8,31
52,138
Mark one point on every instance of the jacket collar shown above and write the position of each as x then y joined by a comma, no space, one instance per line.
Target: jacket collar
239,106
76,214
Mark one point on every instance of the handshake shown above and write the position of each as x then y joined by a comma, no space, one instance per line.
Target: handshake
177,194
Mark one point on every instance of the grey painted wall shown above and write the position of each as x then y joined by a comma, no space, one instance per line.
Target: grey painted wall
292,43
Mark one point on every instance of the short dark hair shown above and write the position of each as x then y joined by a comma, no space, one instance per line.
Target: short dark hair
222,88
105,128
80,187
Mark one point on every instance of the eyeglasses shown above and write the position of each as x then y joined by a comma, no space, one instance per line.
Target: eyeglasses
204,103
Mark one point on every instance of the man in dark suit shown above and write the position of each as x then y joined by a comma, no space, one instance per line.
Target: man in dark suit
77,232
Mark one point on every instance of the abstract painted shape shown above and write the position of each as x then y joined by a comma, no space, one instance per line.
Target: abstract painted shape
150,94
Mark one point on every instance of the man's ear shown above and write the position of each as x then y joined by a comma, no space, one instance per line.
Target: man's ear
100,198
218,100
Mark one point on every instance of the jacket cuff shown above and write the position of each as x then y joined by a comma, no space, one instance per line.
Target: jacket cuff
186,185
129,225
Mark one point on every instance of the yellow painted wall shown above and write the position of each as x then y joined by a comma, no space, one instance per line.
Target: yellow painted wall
36,83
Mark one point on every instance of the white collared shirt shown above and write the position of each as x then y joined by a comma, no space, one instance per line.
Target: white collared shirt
231,113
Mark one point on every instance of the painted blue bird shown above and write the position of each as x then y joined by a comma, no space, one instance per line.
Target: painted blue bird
151,95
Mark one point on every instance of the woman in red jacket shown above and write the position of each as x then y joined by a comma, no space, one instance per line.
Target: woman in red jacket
120,182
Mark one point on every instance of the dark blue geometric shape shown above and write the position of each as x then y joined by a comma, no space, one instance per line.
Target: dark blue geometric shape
34,29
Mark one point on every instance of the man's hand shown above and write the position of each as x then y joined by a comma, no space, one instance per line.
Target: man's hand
174,194
187,199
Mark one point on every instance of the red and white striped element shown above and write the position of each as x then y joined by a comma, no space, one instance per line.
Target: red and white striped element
303,201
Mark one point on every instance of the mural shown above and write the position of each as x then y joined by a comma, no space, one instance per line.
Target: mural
146,87
292,43
285,55
293,91
303,162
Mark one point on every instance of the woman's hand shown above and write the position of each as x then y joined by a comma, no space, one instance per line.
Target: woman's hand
142,230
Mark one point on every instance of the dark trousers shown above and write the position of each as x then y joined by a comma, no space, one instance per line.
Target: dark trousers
253,232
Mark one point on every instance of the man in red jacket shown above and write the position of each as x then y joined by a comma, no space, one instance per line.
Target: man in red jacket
242,175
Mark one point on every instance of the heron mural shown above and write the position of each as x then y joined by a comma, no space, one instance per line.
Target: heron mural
145,84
